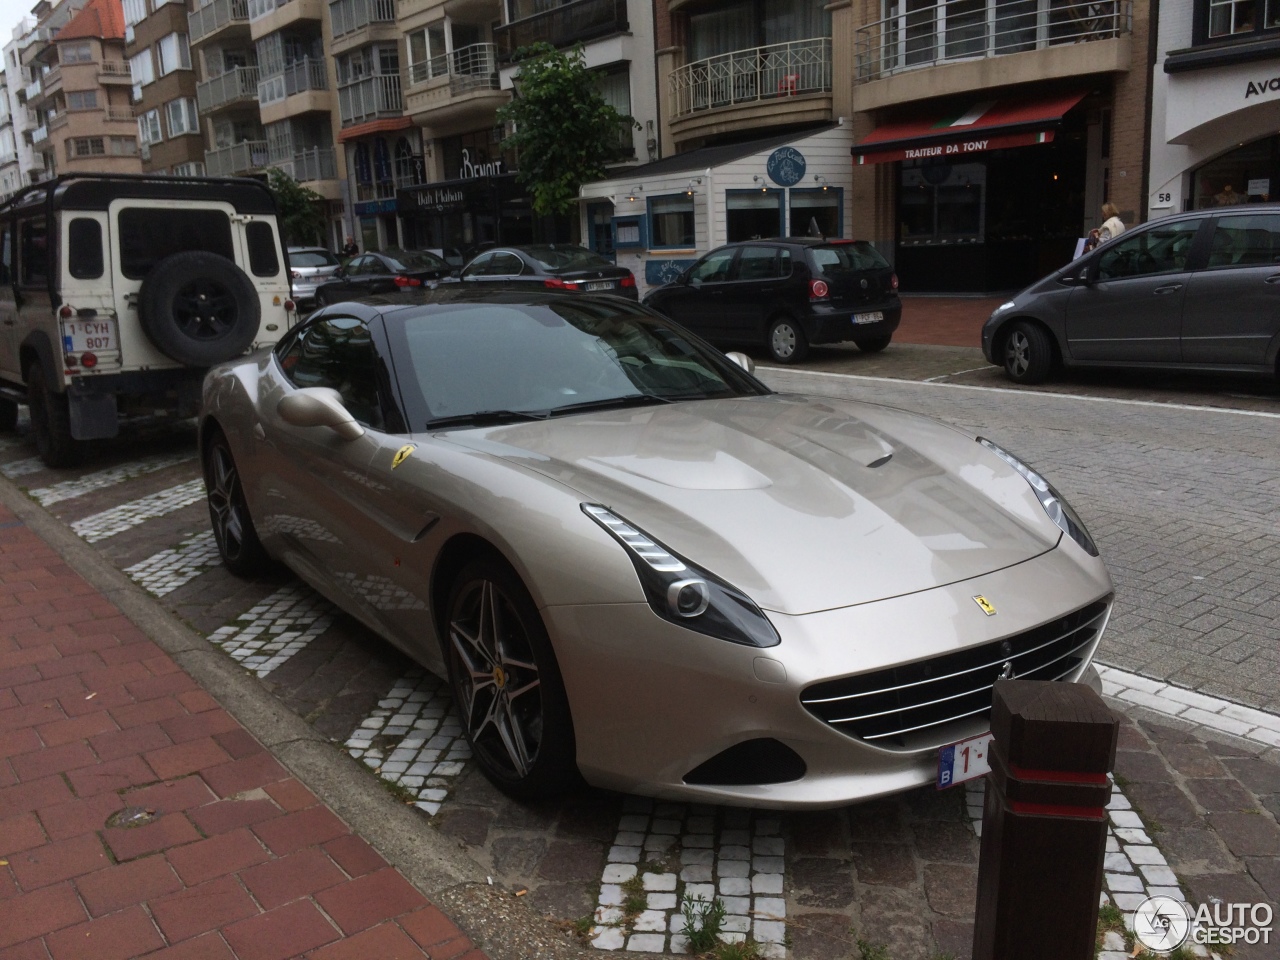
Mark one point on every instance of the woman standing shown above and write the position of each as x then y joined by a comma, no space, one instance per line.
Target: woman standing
1111,227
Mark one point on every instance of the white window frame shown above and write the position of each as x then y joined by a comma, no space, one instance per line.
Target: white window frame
188,116
149,131
181,53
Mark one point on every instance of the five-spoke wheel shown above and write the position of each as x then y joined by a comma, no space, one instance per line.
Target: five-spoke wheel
1028,353
233,529
506,683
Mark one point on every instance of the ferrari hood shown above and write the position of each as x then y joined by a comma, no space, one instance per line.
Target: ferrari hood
806,504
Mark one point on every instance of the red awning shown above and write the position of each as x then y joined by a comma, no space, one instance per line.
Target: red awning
375,126
985,125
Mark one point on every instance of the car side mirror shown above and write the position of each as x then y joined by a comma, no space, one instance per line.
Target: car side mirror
319,407
742,360
340,272
1078,279
455,273
694,282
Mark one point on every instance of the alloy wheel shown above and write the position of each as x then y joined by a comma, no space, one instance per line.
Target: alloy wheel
496,675
204,310
1017,353
226,505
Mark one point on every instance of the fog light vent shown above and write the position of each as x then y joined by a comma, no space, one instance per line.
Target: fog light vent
753,761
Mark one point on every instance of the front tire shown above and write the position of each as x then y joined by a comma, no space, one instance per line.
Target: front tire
786,341
1028,353
873,344
507,685
51,422
238,545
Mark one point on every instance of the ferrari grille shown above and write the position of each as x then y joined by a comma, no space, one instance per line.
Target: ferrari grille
911,706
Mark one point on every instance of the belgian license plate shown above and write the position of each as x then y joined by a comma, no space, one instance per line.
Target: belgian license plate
966,760
876,317
600,285
93,335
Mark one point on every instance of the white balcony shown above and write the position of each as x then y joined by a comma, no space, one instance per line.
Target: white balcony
756,74
240,84
297,77
32,90
318,163
369,99
247,157
468,68
39,135
956,30
348,16
209,19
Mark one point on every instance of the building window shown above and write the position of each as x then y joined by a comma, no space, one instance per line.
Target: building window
142,68
123,146
85,147
149,127
427,55
671,221
76,52
173,53
189,170
816,213
753,214
942,202
135,11
182,117
82,99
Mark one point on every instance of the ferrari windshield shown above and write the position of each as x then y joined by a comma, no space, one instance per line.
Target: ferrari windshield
493,361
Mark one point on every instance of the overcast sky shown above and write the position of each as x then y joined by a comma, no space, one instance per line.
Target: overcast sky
11,11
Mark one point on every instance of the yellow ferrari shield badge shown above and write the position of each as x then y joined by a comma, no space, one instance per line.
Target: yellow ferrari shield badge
985,604
403,454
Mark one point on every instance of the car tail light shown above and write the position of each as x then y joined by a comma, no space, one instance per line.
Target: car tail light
295,275
818,290
555,283
290,306
89,360
66,312
893,281
628,281
407,282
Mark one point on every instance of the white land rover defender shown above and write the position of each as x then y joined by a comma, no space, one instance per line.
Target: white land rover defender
117,293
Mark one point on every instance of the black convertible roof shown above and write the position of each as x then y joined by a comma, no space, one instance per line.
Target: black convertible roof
88,191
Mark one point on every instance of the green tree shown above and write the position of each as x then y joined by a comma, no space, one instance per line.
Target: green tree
564,131
300,209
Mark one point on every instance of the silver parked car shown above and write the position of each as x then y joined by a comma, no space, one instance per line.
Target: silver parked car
1197,291
308,268
636,563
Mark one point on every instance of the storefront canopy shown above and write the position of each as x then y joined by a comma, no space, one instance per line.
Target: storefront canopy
988,125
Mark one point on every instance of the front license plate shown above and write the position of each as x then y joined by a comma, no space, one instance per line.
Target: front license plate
966,760
876,317
93,335
601,285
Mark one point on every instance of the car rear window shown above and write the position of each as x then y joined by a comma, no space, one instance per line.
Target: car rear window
312,258
565,258
417,260
84,249
149,234
839,257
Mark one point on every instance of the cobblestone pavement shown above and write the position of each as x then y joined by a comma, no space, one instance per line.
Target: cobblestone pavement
1182,501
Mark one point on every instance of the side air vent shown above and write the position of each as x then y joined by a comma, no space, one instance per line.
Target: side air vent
753,761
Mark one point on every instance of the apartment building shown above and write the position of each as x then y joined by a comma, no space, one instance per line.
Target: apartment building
10,175
15,83
1215,106
82,95
990,132
31,58
163,87
459,70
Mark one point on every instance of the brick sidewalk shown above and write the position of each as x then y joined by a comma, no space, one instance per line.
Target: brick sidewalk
139,819
945,321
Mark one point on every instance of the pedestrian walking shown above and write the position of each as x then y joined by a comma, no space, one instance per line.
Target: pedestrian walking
1111,227
350,249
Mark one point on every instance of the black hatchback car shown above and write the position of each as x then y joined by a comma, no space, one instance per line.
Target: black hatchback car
386,272
1195,291
549,266
786,295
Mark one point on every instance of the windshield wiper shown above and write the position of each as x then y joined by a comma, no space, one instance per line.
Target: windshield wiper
482,418
630,400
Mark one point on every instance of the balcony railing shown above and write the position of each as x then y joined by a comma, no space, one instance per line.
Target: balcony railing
121,114
560,26
33,90
243,157
469,68
39,134
317,163
215,16
238,84
110,70
58,122
350,15
747,76
372,97
297,77
954,30
261,8
405,172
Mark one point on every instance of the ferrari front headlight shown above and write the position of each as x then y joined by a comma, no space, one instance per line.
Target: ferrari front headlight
1055,505
684,593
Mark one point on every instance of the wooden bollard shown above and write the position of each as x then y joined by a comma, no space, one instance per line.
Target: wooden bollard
1044,826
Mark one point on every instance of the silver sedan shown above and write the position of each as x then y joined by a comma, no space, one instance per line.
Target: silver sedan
637,565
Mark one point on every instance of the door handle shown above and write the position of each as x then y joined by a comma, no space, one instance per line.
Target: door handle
1168,288
1274,278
